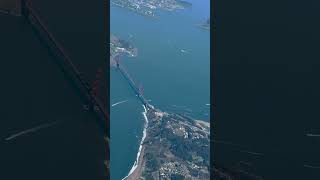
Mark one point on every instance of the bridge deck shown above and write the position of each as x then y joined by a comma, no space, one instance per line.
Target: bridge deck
133,85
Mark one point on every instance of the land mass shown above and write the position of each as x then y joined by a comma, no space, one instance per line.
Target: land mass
149,7
175,147
120,47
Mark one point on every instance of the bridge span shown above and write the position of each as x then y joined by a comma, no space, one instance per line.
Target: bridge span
133,85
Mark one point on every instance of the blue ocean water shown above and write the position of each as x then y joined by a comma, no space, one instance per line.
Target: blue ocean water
172,66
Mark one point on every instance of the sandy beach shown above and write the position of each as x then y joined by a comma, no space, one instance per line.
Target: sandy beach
138,167
136,174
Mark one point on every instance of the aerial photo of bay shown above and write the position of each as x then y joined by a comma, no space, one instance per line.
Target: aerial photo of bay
160,89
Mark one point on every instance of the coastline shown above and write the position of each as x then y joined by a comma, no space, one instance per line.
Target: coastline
136,174
136,169
205,123
138,166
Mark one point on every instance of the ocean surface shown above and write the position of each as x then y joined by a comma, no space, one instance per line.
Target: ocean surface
172,67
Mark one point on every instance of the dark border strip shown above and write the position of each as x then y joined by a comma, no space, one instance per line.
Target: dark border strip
66,63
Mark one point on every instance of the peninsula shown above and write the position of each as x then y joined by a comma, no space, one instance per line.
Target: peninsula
120,47
175,147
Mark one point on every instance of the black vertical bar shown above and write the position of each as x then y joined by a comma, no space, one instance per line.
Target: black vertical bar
107,53
24,10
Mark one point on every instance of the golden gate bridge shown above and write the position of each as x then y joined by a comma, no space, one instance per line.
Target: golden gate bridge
137,90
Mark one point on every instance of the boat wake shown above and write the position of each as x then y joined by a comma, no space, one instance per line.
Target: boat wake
120,102
135,165
184,51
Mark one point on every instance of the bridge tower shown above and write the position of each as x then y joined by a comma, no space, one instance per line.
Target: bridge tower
12,7
117,61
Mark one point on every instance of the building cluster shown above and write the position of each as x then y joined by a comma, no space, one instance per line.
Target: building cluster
148,7
170,169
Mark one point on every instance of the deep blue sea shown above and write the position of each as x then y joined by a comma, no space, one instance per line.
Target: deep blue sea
172,66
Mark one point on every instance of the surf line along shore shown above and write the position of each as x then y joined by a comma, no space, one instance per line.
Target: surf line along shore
136,169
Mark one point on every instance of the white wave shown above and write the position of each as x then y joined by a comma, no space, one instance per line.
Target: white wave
120,102
207,104
31,130
135,165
